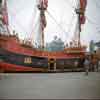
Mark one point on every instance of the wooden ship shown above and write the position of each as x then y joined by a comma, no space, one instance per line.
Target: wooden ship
16,56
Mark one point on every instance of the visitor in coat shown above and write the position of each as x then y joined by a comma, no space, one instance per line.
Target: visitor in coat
86,64
95,61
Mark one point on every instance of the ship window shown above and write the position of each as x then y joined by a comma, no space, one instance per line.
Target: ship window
27,60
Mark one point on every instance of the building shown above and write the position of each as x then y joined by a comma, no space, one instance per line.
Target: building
98,48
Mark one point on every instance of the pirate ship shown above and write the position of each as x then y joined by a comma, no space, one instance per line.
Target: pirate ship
22,56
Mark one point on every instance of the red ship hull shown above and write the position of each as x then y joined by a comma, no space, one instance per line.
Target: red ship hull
6,67
15,57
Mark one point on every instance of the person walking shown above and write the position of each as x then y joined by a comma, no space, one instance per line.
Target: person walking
86,65
99,65
95,61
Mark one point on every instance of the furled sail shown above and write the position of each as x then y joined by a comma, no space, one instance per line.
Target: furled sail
83,4
43,4
5,13
3,17
80,11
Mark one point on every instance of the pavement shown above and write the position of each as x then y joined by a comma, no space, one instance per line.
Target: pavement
74,85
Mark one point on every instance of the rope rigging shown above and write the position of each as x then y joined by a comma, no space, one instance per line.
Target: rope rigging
71,23
76,3
56,21
75,6
98,7
70,4
36,23
33,26
19,24
97,4
91,22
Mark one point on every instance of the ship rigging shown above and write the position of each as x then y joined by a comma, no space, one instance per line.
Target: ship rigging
42,23
23,56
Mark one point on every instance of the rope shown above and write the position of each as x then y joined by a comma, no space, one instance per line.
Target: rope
77,4
97,26
56,22
97,4
18,23
91,22
33,26
71,23
68,2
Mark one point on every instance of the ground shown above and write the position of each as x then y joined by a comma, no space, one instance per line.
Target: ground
50,86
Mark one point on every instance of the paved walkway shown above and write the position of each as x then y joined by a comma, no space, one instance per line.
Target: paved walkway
50,86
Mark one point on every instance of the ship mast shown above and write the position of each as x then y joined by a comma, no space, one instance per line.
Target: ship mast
80,11
79,24
4,17
42,6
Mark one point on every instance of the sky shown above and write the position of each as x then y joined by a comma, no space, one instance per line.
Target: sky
61,19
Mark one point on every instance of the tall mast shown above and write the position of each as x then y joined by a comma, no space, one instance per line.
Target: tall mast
79,24
80,11
42,6
4,16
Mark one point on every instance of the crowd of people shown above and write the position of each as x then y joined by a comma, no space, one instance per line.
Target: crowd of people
91,63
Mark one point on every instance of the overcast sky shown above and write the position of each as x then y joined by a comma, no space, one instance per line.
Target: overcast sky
24,15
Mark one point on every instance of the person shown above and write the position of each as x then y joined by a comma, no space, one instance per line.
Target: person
82,61
86,64
95,61
99,65
90,61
